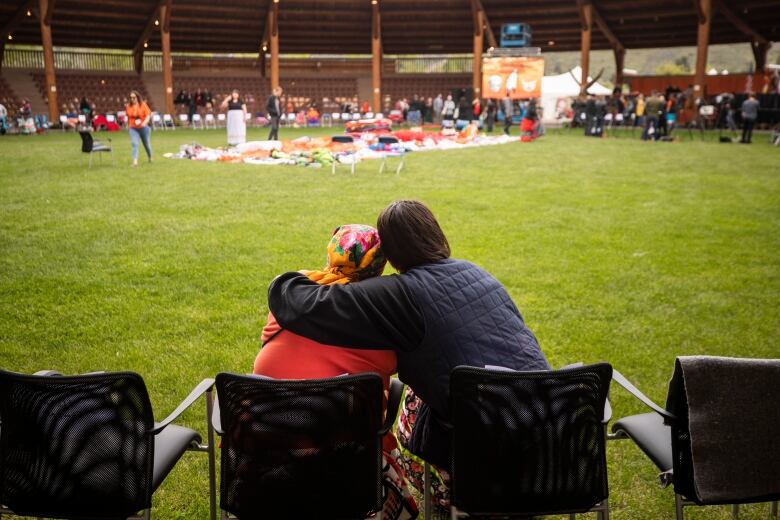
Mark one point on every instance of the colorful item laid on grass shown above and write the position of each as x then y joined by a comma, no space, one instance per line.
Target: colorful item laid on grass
324,151
354,254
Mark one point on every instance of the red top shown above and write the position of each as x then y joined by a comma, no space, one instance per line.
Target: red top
286,355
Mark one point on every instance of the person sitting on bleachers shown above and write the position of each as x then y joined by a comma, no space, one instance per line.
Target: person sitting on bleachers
312,116
72,116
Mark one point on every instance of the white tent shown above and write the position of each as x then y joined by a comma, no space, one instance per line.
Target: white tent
565,86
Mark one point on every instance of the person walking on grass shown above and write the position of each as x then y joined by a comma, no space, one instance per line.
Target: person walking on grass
274,108
507,106
138,117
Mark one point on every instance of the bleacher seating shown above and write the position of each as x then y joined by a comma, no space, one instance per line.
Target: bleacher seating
8,98
431,85
324,92
107,91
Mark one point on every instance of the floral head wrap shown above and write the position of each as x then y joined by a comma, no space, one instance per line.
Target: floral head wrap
354,253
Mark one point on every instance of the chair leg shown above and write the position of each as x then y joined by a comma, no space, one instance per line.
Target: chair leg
382,166
605,512
90,159
572,516
773,510
678,507
212,461
148,514
734,510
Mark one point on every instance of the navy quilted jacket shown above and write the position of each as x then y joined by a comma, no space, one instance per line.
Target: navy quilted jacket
435,316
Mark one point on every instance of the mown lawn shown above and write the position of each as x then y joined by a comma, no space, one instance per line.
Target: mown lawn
613,249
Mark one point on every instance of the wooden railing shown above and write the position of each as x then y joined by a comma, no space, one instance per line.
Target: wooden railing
69,60
441,64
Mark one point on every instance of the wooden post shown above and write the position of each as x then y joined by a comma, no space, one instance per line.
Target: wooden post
48,62
586,19
2,51
274,34
702,42
376,57
620,58
138,61
476,67
760,51
167,62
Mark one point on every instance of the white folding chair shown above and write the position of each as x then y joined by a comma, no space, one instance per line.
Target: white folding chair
210,121
197,121
184,119
345,116
111,118
221,119
326,120
291,119
335,117
369,115
356,117
157,121
63,122
168,122
379,116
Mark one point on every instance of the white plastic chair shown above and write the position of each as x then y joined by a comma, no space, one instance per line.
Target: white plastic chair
221,119
210,121
168,122
111,118
197,121
184,119
369,115
335,116
345,116
63,122
356,117
157,121
326,120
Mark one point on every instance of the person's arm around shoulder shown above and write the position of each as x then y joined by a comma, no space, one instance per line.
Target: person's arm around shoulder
378,313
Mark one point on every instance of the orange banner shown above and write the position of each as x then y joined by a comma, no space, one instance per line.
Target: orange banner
520,77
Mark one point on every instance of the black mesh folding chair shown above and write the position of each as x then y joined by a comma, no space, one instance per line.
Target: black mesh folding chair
87,446
301,449
344,139
90,145
396,150
529,443
665,436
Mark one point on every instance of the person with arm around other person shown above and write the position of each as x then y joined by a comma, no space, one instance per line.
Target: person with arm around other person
437,314
749,115
138,117
236,118
274,108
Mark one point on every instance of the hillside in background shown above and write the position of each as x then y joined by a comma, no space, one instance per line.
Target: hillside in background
673,60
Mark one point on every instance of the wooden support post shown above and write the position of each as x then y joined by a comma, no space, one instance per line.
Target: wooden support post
167,62
620,58
704,9
376,56
476,68
138,61
48,62
586,20
274,36
760,51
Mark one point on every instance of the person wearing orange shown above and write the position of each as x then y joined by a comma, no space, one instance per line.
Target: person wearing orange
138,117
354,253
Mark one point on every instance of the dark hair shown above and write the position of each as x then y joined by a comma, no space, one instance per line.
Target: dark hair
138,97
411,235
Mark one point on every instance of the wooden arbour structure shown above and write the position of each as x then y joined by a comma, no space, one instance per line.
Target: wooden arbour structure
274,27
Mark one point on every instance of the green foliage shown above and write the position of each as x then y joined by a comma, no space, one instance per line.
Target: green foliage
613,249
671,69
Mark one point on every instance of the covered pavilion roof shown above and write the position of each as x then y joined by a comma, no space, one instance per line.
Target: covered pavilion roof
408,26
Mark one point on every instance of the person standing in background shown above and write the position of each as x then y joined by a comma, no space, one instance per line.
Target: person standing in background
438,106
490,114
274,108
138,117
507,105
749,115
236,118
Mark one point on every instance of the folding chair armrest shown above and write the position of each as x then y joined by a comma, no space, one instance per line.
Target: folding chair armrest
393,403
631,389
47,373
203,387
216,419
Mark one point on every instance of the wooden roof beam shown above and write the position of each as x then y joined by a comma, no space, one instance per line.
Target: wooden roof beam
148,28
483,22
739,23
49,13
605,29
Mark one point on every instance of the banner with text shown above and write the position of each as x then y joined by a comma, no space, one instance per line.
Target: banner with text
519,77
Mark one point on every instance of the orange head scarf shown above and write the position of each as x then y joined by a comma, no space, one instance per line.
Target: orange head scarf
354,253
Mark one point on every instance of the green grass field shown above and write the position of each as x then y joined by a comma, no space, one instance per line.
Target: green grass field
613,249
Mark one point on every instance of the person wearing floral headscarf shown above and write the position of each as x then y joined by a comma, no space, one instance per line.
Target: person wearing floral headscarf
354,253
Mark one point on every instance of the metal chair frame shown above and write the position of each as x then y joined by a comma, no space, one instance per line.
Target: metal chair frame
95,146
204,388
666,477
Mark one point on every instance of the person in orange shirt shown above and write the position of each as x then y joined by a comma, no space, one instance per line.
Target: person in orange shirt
138,117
